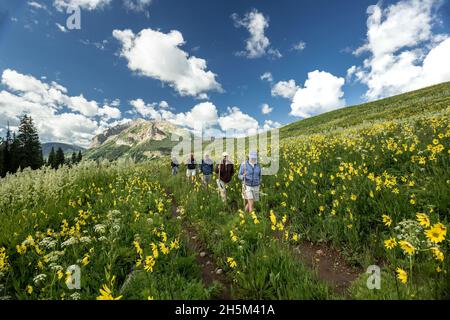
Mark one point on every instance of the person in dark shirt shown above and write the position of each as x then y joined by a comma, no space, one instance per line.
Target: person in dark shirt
207,167
225,171
191,167
175,165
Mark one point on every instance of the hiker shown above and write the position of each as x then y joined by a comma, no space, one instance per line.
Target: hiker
191,167
174,164
250,173
225,171
207,167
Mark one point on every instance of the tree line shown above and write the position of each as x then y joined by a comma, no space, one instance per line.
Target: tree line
24,149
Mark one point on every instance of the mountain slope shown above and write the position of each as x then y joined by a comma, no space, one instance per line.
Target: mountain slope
432,98
138,139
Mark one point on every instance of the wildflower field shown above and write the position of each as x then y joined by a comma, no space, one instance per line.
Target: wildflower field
374,190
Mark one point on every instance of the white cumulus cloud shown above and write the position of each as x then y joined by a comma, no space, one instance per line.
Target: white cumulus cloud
404,53
82,4
45,103
299,46
266,109
238,123
258,44
322,92
158,55
267,76
204,118
36,5
269,125
285,89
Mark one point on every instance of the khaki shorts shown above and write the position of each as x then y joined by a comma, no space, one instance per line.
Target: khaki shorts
191,172
251,193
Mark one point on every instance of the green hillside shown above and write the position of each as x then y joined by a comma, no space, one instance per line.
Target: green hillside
432,98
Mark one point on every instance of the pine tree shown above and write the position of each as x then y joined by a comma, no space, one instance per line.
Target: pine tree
2,146
74,158
80,157
7,165
51,159
59,157
30,150
14,154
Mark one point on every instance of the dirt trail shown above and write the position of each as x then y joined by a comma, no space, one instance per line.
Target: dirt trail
330,265
210,272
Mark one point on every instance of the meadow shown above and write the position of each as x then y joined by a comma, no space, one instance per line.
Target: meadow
370,188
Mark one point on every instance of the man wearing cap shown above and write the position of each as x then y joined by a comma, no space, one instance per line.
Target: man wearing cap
225,171
251,174
206,168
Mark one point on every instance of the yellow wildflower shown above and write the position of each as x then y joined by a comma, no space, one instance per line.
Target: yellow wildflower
232,263
149,264
438,254
21,249
402,275
423,219
387,220
85,260
436,233
106,294
390,243
3,260
407,247
29,289
174,244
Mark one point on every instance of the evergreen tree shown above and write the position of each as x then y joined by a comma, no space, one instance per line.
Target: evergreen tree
7,165
2,170
30,150
59,157
80,157
51,159
74,158
14,154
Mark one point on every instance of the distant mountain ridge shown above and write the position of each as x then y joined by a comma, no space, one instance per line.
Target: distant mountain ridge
139,139
67,148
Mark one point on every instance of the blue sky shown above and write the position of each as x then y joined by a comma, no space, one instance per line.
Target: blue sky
322,42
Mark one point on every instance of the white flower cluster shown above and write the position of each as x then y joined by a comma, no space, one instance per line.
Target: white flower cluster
75,296
54,256
48,243
100,228
85,239
69,242
409,230
39,278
